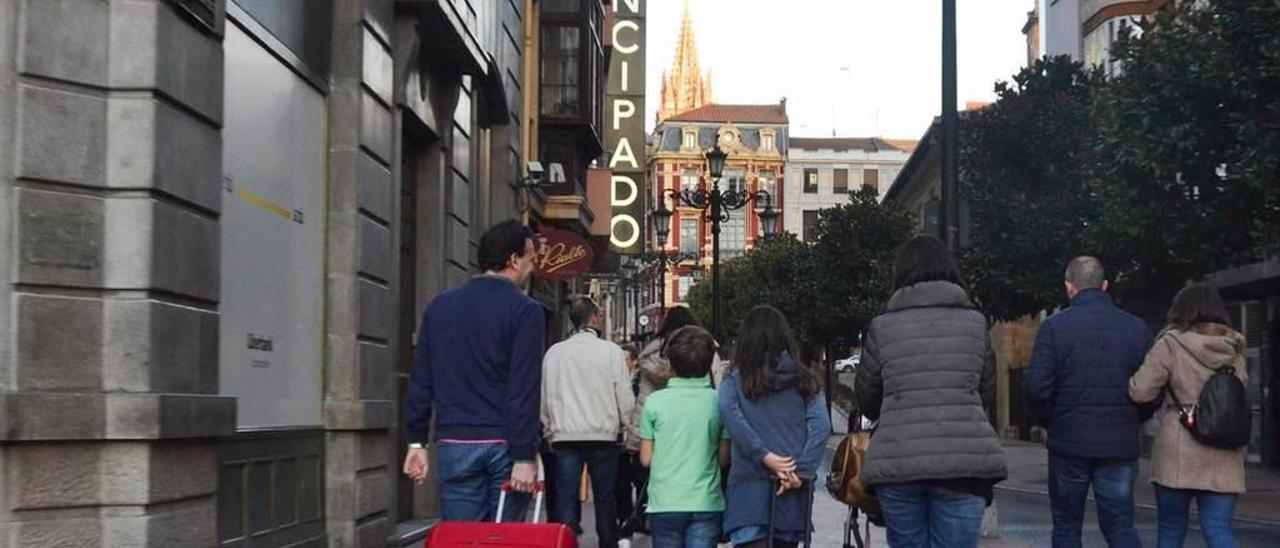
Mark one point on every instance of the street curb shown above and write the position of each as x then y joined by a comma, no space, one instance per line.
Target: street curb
1194,513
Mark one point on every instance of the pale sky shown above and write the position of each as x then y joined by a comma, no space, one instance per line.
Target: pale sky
761,50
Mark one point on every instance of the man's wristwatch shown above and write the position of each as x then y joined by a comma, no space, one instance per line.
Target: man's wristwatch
417,446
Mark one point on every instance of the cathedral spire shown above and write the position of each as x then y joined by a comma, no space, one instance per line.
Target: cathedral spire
685,88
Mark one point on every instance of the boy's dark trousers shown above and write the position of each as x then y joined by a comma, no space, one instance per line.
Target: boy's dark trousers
630,491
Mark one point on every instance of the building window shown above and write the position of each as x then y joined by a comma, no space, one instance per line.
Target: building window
689,180
733,236
810,225
890,174
560,6
768,182
685,283
690,140
735,180
930,216
572,75
810,181
767,142
842,181
871,179
561,72
689,237
599,71
1099,41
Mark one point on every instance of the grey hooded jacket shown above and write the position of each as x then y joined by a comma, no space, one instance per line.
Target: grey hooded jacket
927,374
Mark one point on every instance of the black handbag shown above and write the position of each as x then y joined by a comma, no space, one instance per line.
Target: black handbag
1222,416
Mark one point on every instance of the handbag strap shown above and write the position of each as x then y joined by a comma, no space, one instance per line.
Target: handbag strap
1169,387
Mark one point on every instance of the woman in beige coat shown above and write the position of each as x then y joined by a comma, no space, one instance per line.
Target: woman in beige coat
1197,339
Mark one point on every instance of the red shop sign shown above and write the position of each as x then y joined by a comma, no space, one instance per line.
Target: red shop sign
562,255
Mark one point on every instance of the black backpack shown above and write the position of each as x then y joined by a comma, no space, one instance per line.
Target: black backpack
1222,416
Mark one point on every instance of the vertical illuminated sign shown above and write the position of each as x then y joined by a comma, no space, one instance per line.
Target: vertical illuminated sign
624,126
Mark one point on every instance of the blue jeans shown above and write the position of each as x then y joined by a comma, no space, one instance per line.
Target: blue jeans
471,478
601,460
1112,480
918,514
685,529
1216,510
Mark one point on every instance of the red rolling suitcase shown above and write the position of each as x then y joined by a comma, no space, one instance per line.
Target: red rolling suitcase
520,535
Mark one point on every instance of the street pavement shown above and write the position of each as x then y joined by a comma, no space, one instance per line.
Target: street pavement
1023,516
1022,507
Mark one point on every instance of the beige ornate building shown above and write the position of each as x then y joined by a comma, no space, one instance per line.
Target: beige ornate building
685,87
755,138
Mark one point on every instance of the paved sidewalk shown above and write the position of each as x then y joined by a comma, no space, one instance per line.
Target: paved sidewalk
1029,473
1023,507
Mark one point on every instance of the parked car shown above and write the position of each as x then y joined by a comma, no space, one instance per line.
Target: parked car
850,364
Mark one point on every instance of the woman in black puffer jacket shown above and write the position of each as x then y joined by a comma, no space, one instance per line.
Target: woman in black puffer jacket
928,374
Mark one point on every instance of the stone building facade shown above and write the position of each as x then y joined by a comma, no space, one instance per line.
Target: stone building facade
756,138
219,221
1086,29
825,170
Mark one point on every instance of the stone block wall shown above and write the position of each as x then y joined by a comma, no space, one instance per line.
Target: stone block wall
110,162
507,166
359,406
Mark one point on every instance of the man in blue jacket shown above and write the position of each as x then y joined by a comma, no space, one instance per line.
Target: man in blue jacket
478,366
1078,386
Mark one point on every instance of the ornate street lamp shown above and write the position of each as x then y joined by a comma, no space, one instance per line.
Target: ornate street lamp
662,259
717,204
715,160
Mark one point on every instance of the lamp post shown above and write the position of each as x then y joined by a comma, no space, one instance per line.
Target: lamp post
629,287
950,200
717,204
663,260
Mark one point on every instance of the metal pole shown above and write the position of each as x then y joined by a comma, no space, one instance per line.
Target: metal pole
626,304
950,210
827,361
662,288
635,299
715,259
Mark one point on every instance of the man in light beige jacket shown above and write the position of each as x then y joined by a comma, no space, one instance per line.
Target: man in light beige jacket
586,402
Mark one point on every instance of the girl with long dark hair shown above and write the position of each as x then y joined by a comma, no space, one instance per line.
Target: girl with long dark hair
777,420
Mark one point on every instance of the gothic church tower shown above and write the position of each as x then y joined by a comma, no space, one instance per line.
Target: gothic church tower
685,87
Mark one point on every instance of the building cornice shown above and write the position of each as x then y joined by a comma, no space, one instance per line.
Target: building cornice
1142,7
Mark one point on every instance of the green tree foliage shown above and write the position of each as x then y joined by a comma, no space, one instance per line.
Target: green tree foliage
1186,155
772,273
1022,177
1167,168
828,289
853,257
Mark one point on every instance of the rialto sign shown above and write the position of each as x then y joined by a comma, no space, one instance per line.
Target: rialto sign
624,130
562,255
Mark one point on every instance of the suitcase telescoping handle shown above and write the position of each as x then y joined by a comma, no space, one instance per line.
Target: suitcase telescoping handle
539,491
806,484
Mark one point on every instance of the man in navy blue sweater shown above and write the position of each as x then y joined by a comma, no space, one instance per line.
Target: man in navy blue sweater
478,367
1078,386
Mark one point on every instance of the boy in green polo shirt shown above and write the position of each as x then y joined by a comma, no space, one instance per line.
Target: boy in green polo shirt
684,444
